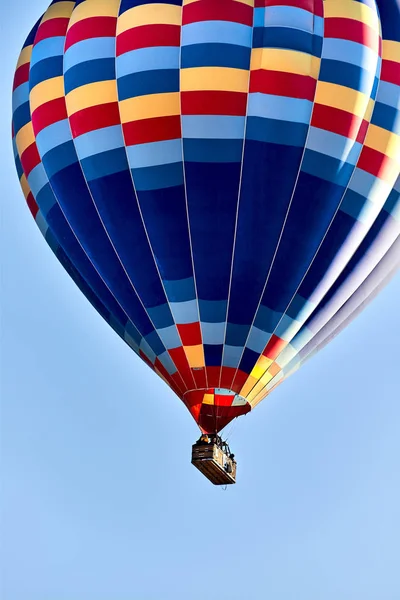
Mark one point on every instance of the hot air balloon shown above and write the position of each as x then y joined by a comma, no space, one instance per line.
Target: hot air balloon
219,177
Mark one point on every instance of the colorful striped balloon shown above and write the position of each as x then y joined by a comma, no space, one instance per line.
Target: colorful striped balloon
219,177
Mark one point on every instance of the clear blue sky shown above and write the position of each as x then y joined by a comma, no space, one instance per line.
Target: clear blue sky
100,501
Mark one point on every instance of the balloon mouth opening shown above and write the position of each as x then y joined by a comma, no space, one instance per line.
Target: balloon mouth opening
214,408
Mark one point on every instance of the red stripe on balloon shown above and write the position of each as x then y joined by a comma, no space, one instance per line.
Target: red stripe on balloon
350,29
282,84
49,113
223,399
93,27
274,347
213,103
30,158
239,381
179,357
391,71
33,207
199,377
177,379
190,334
375,162
227,375
147,36
21,75
52,28
223,10
339,121
156,129
213,374
94,117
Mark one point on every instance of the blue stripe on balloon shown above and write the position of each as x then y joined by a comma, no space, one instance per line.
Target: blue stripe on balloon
212,311
333,144
20,95
215,55
216,32
180,290
269,106
156,58
103,164
212,127
287,39
52,46
281,16
269,177
154,153
158,81
347,75
213,355
213,151
347,51
45,69
327,168
213,333
59,158
87,50
98,141
212,190
386,117
158,177
102,69
276,131
164,212
231,356
21,116
54,135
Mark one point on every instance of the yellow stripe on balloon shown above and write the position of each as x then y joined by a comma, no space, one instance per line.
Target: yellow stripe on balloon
24,185
25,56
389,171
59,10
24,138
214,78
208,399
391,50
349,9
261,366
383,141
341,97
369,110
92,94
97,8
248,386
149,14
195,356
147,107
47,90
259,387
287,61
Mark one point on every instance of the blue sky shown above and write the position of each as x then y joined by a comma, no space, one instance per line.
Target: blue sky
100,501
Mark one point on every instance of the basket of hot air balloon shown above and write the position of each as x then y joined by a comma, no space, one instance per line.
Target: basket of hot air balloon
220,178
212,457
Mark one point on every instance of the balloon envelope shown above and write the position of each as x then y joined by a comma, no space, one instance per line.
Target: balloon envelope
220,178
